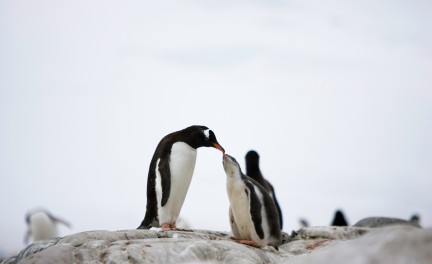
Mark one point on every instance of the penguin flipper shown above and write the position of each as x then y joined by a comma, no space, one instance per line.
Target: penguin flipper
64,222
165,173
255,209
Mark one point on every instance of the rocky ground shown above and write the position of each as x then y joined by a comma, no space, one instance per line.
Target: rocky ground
391,244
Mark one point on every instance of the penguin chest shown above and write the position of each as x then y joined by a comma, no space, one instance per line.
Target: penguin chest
240,206
182,165
42,227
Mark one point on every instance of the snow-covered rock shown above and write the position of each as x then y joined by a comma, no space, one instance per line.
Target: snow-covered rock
383,221
387,245
395,244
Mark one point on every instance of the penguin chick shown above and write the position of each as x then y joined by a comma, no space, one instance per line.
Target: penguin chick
252,212
339,219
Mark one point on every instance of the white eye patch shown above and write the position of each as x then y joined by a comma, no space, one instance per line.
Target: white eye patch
207,133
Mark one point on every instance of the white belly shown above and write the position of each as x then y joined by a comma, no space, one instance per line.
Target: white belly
42,227
239,202
182,165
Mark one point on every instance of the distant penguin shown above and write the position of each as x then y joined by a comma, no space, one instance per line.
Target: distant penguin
339,219
252,211
303,223
41,225
170,174
415,219
253,171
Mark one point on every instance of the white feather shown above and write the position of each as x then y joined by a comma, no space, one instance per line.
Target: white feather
241,210
158,186
42,226
207,133
239,202
182,165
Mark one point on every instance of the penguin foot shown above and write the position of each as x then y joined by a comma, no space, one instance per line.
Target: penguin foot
166,227
172,227
248,242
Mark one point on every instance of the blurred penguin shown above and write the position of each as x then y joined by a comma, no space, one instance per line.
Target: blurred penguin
303,223
339,219
415,219
253,171
41,225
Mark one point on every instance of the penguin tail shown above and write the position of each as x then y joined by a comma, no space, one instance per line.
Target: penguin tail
142,227
146,223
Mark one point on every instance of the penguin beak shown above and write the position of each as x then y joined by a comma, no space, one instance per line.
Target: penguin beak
219,147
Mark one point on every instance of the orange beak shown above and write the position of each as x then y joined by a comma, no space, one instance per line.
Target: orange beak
216,145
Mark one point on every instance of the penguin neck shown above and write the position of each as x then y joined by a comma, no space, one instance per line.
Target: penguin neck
234,175
253,171
252,167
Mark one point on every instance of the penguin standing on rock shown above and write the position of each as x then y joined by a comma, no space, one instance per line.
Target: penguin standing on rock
253,171
252,211
170,174
42,225
339,219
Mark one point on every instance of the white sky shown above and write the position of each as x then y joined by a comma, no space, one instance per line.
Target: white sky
336,97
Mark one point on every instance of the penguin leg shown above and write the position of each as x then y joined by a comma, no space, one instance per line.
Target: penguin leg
166,227
246,242
169,227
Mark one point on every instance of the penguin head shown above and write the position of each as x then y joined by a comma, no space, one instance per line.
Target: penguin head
252,161
339,219
202,136
252,156
231,166
29,214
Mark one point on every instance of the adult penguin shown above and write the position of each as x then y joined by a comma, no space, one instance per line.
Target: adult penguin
170,174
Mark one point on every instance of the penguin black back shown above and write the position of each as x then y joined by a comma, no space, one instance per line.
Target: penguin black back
339,219
256,210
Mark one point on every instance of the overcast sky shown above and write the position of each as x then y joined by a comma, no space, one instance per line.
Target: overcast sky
335,96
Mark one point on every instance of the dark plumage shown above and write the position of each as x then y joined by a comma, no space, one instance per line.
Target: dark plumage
303,223
415,219
253,171
339,219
